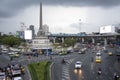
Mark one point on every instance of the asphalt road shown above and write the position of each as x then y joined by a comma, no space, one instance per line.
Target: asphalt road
4,60
89,69
23,60
60,71
67,71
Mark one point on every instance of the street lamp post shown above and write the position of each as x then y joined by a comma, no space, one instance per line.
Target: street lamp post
47,43
47,47
80,29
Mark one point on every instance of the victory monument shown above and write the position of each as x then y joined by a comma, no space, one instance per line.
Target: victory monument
41,42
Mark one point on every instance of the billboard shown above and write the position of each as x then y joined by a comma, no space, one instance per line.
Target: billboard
28,34
107,29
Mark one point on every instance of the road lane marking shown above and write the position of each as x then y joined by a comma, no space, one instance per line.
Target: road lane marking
92,66
65,70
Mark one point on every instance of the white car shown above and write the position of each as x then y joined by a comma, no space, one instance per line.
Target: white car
78,64
2,76
98,53
4,51
79,52
17,78
16,70
11,53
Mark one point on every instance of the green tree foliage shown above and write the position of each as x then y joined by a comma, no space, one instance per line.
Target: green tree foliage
11,41
70,42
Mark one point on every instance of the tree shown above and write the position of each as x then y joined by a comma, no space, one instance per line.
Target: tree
11,41
70,41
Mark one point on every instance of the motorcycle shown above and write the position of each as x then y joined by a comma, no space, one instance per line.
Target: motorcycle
116,77
99,71
63,61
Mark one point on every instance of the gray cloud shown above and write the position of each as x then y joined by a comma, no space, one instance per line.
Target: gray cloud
84,27
9,8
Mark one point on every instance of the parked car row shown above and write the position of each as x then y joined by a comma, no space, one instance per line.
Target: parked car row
11,53
11,50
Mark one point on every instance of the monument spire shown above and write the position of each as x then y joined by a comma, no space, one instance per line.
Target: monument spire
40,24
41,41
41,30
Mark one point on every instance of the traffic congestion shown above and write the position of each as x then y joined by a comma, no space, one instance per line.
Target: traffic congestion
12,72
95,57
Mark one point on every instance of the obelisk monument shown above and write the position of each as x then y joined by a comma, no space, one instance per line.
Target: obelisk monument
41,32
41,41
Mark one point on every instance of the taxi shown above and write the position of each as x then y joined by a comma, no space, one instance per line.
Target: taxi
98,59
110,53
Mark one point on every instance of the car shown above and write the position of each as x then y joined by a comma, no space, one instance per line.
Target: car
83,50
98,54
4,51
2,76
17,78
13,54
78,65
16,70
79,52
110,53
54,53
98,59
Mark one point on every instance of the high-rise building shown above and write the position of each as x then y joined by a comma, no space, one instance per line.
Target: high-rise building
31,27
46,29
20,34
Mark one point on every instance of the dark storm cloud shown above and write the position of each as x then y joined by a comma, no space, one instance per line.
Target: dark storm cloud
101,3
9,8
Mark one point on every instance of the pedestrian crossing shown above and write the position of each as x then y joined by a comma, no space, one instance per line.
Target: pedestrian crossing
36,59
65,70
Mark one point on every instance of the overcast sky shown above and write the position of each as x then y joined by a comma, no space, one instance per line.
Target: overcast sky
62,16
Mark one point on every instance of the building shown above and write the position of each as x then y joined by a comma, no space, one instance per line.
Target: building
31,27
20,34
46,29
